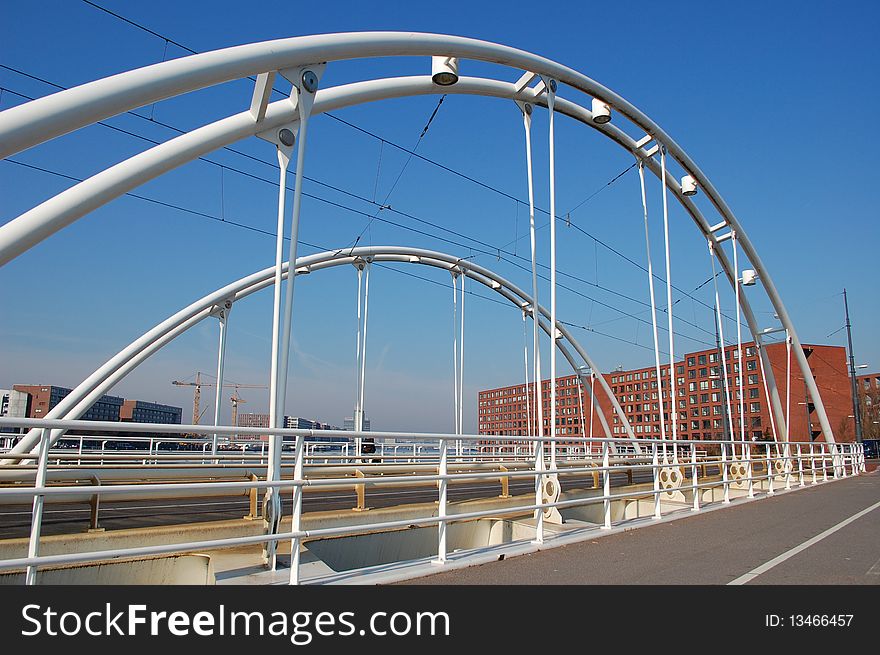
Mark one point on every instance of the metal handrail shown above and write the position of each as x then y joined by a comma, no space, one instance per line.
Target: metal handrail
819,460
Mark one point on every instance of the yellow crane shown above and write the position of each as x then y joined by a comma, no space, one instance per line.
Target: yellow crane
236,401
197,394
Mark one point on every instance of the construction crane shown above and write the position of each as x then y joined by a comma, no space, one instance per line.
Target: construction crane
236,401
197,394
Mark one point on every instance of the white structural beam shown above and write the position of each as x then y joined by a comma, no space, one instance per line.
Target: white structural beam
43,119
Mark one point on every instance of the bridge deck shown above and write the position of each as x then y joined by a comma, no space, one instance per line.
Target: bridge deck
716,547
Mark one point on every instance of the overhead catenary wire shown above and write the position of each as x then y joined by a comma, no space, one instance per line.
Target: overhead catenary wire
384,204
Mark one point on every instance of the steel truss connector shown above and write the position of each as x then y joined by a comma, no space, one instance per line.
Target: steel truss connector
262,93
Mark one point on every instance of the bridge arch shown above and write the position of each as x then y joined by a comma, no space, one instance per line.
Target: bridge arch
46,118
78,401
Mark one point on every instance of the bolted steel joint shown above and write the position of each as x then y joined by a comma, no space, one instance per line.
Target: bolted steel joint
286,137
309,81
552,86
528,109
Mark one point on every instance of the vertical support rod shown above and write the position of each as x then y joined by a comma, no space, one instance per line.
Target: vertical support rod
444,444
581,390
801,482
653,306
529,430
30,577
551,98
455,395
273,500
694,479
725,480
749,473
442,509
787,387
724,373
291,258
296,518
362,371
655,471
813,464
221,361
739,357
673,410
358,423
536,350
304,106
461,374
592,403
760,346
606,485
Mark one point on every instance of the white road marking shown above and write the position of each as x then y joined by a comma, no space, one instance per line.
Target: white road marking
874,570
754,573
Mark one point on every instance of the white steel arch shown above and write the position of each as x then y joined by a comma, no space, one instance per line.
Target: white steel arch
46,118
78,401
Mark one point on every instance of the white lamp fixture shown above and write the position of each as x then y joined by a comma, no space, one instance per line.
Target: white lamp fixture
444,70
688,186
749,277
601,112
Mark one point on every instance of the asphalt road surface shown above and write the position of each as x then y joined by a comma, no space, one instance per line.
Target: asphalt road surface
829,534
61,518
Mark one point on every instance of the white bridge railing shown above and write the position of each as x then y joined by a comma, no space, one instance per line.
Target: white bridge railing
682,474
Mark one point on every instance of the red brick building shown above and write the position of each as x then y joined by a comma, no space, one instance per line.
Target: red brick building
700,404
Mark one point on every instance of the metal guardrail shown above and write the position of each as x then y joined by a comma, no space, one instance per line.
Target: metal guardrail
675,467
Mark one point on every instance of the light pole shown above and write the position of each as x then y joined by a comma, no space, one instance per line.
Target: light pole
852,373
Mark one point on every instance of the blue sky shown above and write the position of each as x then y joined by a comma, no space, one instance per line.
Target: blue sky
774,101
